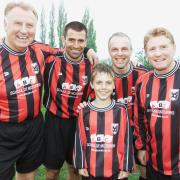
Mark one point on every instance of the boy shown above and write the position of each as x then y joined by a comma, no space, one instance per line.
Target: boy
103,143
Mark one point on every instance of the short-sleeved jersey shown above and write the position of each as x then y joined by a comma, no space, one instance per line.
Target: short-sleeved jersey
125,87
21,81
66,85
157,119
103,140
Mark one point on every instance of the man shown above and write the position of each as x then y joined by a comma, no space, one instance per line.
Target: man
126,75
157,107
67,79
21,81
21,130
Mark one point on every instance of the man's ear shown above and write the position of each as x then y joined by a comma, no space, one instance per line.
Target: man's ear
63,40
5,24
91,85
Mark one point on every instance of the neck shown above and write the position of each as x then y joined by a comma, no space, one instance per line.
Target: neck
123,70
167,70
73,59
101,103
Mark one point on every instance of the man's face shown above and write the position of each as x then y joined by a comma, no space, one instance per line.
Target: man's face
160,52
20,27
74,43
120,51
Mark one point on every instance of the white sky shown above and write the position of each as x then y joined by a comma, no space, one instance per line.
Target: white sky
133,17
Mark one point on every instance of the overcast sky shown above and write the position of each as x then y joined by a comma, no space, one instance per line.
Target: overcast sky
133,17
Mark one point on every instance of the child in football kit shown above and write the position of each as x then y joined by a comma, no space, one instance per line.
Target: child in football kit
103,140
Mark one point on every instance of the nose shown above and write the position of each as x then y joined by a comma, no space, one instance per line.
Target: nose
103,85
76,44
119,52
157,52
23,29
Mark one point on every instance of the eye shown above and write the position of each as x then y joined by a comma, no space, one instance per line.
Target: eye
114,50
71,40
81,40
152,49
124,49
29,25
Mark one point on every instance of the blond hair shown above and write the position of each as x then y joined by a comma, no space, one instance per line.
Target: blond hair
160,31
22,5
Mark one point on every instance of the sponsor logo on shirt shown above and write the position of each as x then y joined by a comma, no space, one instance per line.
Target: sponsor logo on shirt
160,104
71,87
97,138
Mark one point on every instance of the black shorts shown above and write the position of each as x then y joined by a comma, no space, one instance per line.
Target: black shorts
21,146
114,177
155,175
59,140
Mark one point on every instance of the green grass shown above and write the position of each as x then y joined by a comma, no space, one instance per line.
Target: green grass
63,175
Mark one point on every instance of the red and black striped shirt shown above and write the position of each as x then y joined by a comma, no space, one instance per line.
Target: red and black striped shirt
103,140
125,87
66,85
21,82
157,119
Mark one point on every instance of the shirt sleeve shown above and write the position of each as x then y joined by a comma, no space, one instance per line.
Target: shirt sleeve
140,121
79,144
125,143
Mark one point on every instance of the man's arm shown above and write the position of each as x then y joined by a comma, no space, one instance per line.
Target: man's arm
139,120
78,154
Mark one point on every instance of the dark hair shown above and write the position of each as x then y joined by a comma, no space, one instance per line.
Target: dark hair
75,25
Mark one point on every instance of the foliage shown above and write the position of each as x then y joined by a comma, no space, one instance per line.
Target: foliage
42,27
142,59
91,34
51,26
62,20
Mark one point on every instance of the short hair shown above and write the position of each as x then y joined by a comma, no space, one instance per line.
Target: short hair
120,34
75,25
159,31
101,67
23,5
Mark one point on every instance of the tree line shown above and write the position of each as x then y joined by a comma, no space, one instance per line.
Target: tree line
56,26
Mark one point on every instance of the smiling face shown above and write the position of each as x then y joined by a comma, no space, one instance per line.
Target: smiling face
20,27
120,51
160,52
103,85
74,43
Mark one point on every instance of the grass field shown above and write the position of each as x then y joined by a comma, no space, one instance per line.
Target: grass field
63,174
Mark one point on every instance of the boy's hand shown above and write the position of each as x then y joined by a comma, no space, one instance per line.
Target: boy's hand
81,106
142,157
92,56
123,174
83,172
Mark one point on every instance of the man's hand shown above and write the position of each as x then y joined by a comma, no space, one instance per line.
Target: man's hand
83,172
142,157
92,56
81,106
123,174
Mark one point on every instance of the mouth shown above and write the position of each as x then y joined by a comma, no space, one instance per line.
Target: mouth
22,38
